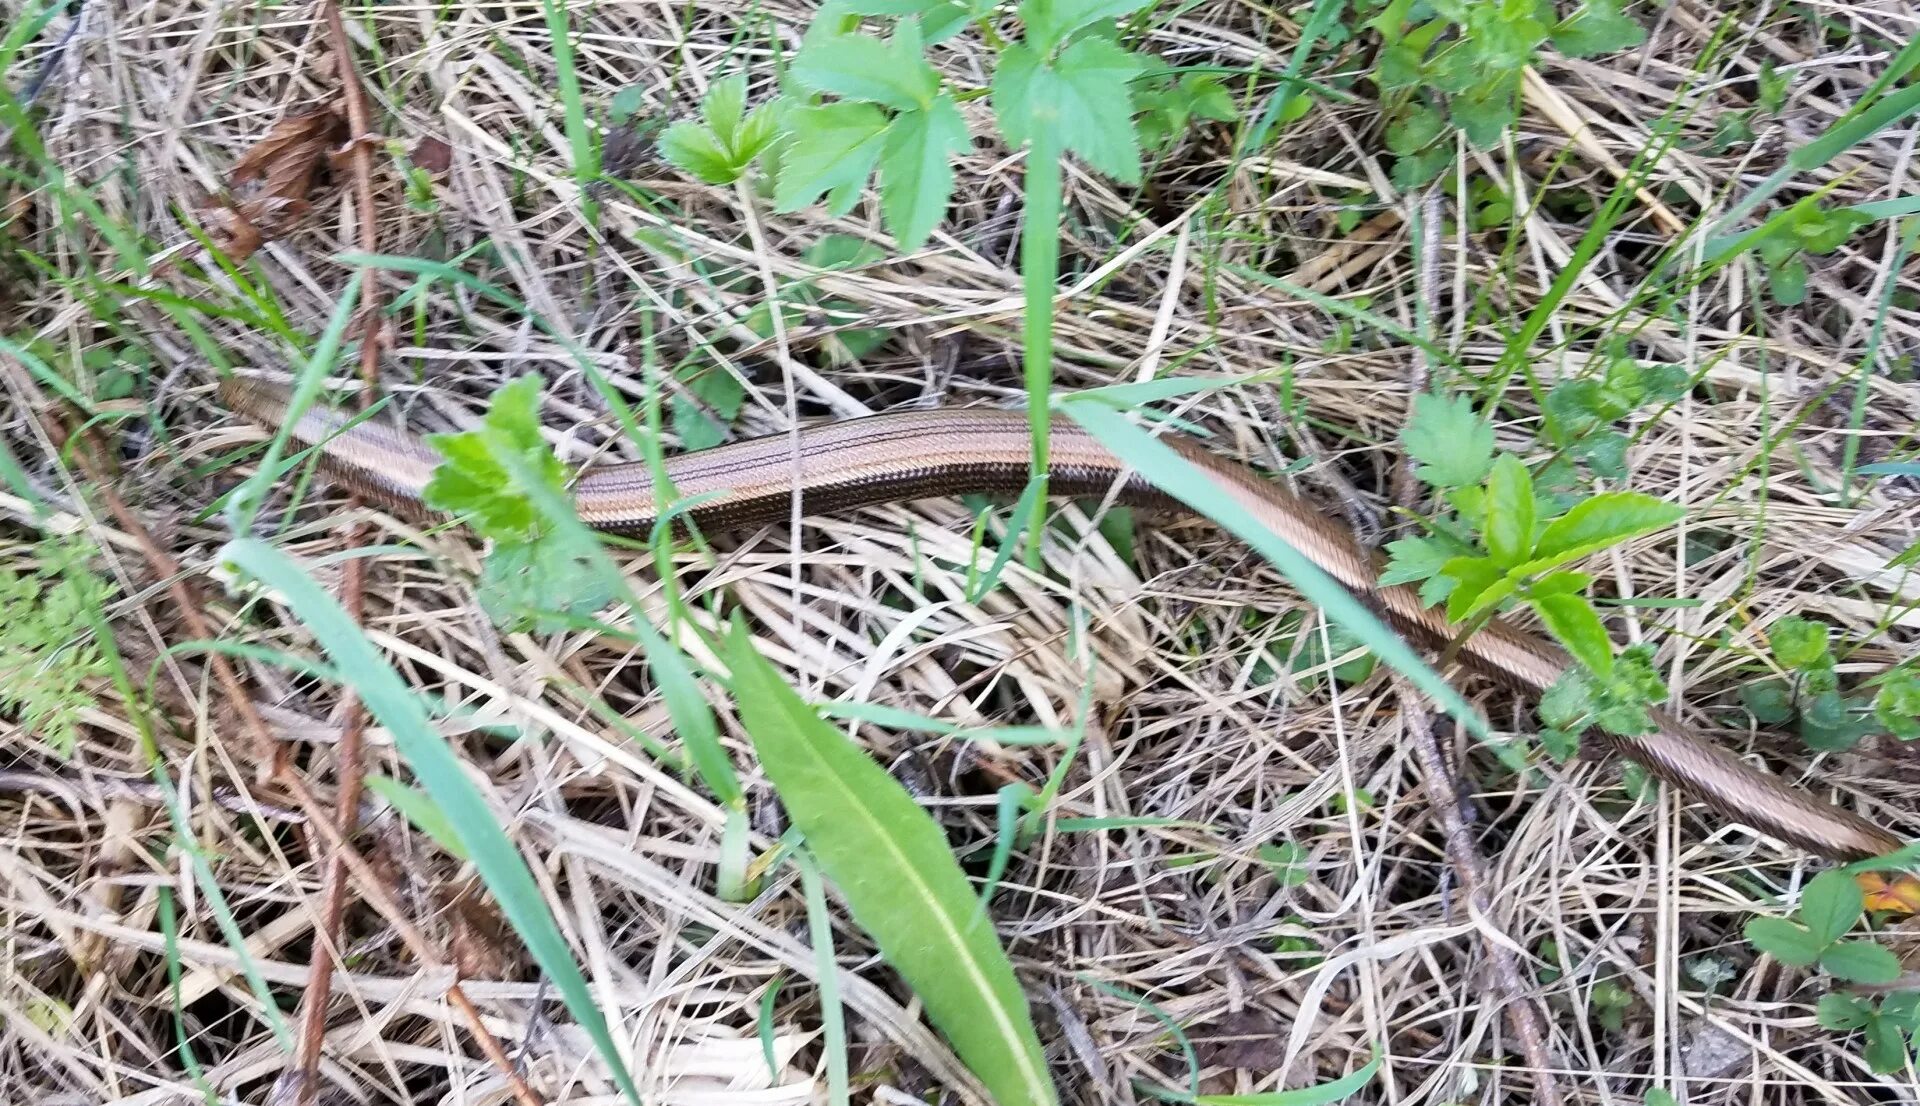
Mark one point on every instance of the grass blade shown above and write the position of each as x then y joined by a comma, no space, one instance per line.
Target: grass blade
433,762
898,876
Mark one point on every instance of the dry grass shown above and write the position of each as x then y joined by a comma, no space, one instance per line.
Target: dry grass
150,103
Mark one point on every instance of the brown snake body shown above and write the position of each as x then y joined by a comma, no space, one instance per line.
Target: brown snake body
926,454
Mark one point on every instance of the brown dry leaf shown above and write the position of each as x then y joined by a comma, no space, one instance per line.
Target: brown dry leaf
271,180
432,154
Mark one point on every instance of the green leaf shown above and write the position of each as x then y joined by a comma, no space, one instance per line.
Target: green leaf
1560,583
1799,643
443,776
1597,27
899,879
1785,941
1567,702
723,108
1861,962
1509,528
1572,621
1082,98
833,147
1770,701
916,170
472,484
1474,576
1411,560
1886,1051
1287,861
1453,443
421,811
1418,128
1049,22
1841,1011
1604,520
1830,905
538,585
692,717
1659,1096
861,67
1897,705
1321,1095
1483,112
1207,98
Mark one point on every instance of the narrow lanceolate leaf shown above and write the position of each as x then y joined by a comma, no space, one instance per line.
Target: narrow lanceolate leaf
1604,520
899,879
439,771
916,169
833,148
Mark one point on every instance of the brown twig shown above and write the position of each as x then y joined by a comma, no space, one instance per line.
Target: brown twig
348,767
1443,791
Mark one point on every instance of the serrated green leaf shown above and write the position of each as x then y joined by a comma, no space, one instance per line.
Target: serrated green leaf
1784,941
833,149
1567,702
724,106
898,876
1597,27
1799,643
1082,98
1452,442
1606,519
1561,583
692,148
1414,559
1830,905
916,169
1841,1011
861,67
1509,527
1419,127
1861,962
472,484
1770,701
1572,622
537,585
1049,22
1886,1051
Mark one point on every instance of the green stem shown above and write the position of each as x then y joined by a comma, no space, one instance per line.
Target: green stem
1039,273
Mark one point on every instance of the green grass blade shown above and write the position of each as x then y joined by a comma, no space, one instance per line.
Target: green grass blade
433,762
1339,1089
1178,477
833,1014
899,879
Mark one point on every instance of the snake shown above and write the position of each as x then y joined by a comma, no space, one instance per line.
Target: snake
910,455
